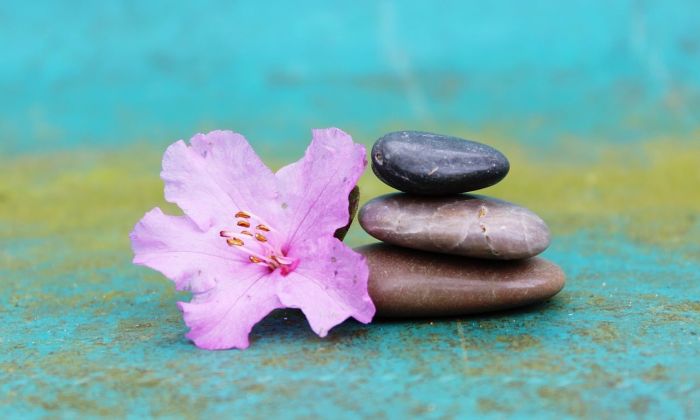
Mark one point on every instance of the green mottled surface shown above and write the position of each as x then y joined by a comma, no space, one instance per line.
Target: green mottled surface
595,103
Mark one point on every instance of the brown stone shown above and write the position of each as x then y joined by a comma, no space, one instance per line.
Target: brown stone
409,283
470,225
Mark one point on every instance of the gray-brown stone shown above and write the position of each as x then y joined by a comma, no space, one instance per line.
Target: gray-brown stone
408,283
469,225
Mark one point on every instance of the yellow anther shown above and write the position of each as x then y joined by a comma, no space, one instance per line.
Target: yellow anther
260,238
243,215
263,228
243,223
234,241
245,232
254,259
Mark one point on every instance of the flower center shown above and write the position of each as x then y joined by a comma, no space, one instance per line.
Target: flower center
259,241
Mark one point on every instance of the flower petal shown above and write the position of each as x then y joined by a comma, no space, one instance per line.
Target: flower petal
329,285
175,246
217,176
223,317
314,191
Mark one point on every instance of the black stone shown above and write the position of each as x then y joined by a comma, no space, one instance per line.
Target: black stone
432,164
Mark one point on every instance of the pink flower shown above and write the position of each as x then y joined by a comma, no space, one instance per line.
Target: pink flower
252,241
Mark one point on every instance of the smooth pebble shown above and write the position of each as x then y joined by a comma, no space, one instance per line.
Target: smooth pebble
408,283
469,225
432,164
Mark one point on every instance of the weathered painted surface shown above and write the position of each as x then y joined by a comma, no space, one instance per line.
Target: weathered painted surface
601,125
88,334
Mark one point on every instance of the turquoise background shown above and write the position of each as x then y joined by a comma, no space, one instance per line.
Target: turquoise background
597,105
80,74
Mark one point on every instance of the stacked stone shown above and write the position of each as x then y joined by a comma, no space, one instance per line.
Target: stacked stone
445,252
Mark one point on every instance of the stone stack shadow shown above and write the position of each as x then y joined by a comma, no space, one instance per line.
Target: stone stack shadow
444,252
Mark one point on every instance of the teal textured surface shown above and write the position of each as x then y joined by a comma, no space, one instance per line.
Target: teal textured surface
620,341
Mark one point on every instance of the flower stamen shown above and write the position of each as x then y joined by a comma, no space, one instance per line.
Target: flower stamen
264,250
235,242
